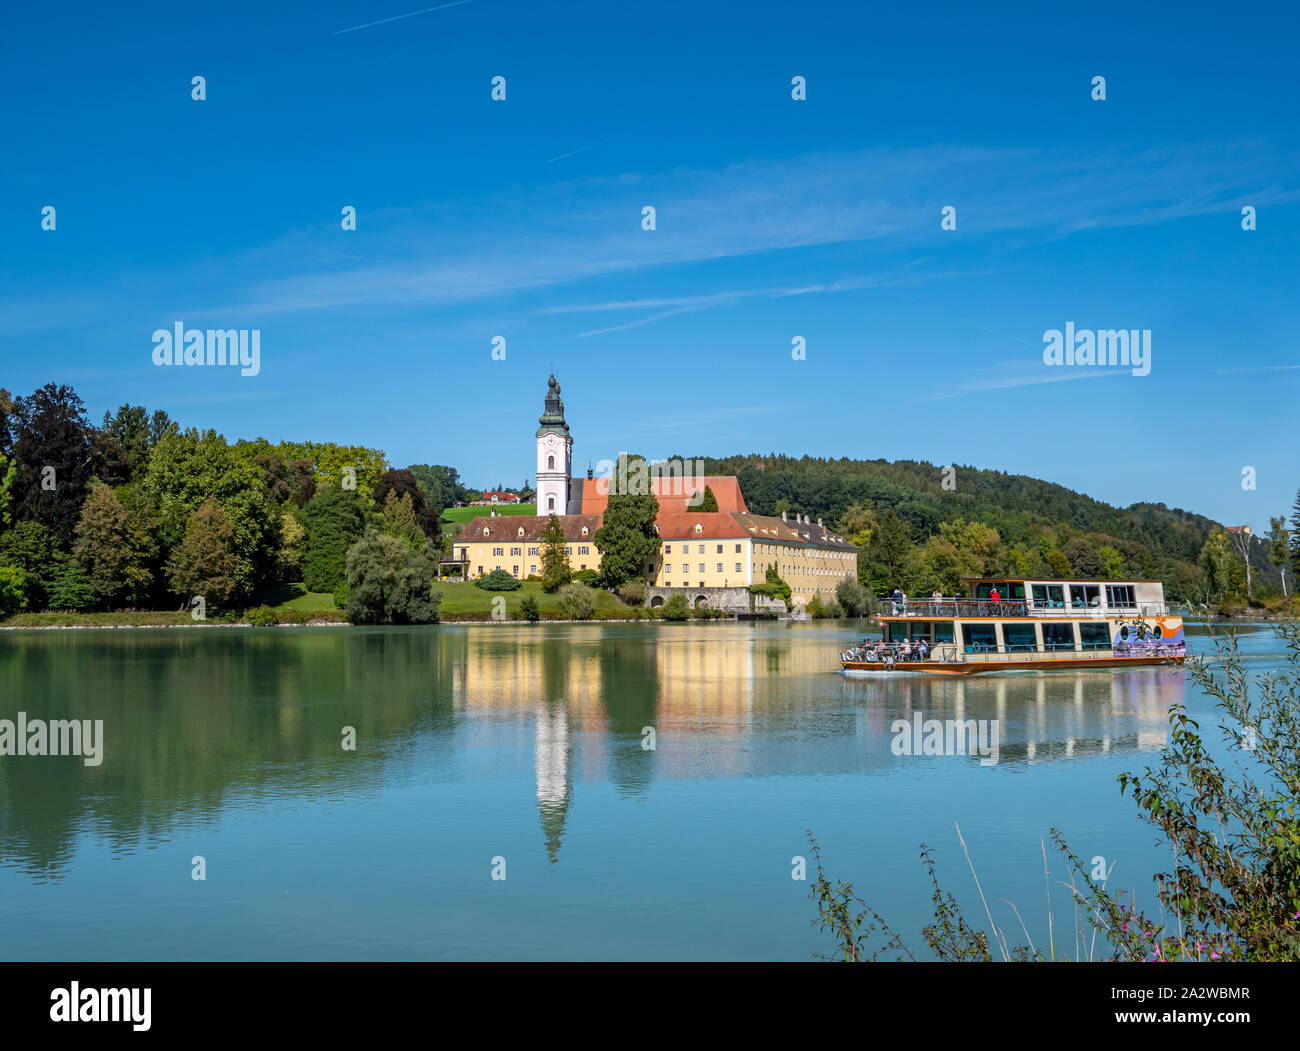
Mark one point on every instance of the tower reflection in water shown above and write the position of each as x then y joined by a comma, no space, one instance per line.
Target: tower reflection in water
728,703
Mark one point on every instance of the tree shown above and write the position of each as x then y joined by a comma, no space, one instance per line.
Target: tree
69,586
859,523
556,571
1295,535
1240,541
578,600
627,540
856,600
55,452
293,539
889,558
1059,565
135,432
31,547
339,464
189,467
205,563
529,610
1083,557
1279,544
8,474
441,484
1112,562
709,502
106,548
389,582
1224,574
13,590
336,519
404,483
400,521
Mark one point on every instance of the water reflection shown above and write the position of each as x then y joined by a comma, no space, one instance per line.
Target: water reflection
198,723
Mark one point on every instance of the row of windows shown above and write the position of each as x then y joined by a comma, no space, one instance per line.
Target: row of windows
500,551
686,568
1017,636
531,569
686,549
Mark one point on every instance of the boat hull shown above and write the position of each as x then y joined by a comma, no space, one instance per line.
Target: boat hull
979,667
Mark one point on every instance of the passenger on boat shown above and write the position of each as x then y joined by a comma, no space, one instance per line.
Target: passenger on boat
904,651
922,651
897,600
994,596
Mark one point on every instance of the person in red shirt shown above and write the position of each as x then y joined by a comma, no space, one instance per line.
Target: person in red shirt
994,596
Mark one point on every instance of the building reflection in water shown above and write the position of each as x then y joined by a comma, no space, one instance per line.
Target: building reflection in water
717,699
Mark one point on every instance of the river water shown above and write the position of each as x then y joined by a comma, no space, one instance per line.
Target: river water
523,751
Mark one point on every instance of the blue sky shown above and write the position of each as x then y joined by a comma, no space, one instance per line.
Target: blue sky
775,219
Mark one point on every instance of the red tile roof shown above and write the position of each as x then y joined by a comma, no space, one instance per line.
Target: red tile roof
504,529
673,493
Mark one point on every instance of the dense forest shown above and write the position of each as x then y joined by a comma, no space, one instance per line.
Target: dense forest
920,525
139,513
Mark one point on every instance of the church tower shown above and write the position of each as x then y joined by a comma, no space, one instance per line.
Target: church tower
554,456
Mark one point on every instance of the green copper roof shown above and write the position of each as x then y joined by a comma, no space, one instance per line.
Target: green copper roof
552,419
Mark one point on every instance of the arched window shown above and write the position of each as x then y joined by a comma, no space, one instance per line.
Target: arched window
550,503
550,463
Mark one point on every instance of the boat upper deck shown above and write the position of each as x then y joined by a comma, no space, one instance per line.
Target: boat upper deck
1055,599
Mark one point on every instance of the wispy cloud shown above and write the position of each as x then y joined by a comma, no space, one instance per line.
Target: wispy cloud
1257,368
1010,380
398,18
564,234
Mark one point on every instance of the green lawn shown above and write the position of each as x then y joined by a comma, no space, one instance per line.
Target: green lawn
461,515
295,597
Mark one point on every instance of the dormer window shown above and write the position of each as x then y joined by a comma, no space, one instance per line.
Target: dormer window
699,528
521,530
584,530
487,531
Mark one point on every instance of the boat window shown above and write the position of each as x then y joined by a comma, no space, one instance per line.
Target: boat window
979,638
1019,636
1094,636
1049,596
943,631
1120,595
1058,636
921,630
1085,595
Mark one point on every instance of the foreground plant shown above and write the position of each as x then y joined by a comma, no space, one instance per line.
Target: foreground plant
1234,893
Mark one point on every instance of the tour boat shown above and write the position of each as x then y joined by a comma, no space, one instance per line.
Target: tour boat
1029,625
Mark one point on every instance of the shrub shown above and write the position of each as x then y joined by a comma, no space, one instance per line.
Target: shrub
261,617
1228,815
341,596
528,609
578,600
676,608
13,590
497,580
856,600
389,582
587,576
632,592
773,587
